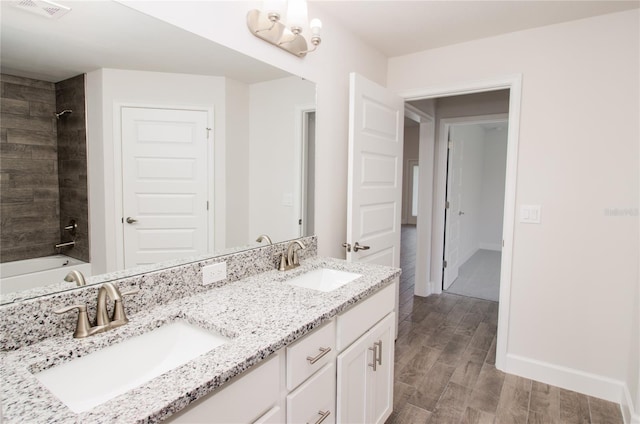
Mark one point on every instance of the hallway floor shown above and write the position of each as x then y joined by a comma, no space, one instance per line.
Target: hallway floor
479,276
445,366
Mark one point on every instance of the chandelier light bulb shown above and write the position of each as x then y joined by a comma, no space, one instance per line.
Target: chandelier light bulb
315,25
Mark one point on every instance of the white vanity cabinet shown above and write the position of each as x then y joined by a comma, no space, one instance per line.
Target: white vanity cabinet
341,372
253,398
365,367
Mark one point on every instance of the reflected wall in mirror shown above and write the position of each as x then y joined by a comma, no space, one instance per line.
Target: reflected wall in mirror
192,149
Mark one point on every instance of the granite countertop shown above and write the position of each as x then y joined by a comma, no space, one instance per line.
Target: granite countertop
260,314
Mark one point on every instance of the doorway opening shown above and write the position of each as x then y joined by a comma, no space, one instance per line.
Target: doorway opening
500,101
474,206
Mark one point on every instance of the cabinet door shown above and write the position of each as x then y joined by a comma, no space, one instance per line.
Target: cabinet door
381,386
365,392
353,378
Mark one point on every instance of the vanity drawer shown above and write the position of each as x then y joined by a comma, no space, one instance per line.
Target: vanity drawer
315,399
309,354
357,320
250,397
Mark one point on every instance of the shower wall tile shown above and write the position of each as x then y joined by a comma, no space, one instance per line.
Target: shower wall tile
28,158
31,137
72,165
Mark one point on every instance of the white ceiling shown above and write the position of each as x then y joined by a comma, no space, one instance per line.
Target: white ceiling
106,34
398,27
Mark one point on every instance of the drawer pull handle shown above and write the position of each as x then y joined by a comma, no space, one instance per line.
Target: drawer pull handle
323,416
323,351
379,345
375,356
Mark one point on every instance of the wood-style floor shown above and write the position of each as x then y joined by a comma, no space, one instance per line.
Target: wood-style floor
445,366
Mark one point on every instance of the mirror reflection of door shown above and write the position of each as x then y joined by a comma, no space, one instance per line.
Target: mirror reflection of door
165,184
306,221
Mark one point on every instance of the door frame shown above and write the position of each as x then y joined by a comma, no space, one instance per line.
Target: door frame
116,229
424,285
441,181
300,151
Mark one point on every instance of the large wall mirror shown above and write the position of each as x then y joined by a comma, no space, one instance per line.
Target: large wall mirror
129,145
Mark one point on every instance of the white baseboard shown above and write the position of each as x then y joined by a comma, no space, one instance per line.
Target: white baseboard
490,246
630,415
575,380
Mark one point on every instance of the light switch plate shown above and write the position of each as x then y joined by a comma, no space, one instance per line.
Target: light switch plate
214,273
530,214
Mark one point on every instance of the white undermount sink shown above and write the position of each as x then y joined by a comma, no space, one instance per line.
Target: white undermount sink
323,279
93,379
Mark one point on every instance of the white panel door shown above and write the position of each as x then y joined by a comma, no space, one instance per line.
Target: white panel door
374,205
453,213
165,184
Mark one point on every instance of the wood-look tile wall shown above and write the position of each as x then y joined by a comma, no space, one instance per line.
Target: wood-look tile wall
72,164
43,171
28,169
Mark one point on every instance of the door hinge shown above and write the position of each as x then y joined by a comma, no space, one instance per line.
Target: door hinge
450,145
208,131
207,205
444,264
446,204
122,219
300,222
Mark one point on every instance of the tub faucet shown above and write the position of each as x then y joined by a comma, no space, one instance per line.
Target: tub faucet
290,261
76,276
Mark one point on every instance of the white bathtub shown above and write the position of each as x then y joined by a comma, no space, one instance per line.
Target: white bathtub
27,274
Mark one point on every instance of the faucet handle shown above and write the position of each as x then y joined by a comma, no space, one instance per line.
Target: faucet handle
119,316
83,328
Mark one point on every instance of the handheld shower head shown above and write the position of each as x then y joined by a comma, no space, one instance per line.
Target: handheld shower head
64,112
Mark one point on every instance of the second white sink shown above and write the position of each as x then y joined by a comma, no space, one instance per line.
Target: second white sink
324,279
88,381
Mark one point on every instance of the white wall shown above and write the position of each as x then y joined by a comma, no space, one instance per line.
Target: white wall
237,163
109,87
492,196
339,54
275,155
574,276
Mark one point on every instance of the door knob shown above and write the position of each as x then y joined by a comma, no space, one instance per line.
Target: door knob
347,246
131,220
460,213
357,247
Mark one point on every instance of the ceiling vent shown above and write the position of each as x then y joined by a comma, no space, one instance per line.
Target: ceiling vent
45,8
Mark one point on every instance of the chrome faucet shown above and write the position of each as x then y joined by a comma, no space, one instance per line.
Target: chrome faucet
290,260
76,276
103,321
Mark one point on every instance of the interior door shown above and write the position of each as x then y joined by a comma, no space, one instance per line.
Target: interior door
164,168
453,212
374,206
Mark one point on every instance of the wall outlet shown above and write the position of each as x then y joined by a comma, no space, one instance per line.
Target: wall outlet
214,273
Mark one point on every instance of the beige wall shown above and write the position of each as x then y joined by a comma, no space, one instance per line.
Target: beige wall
575,275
